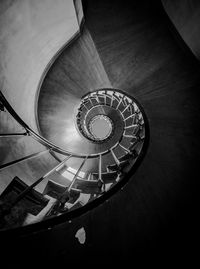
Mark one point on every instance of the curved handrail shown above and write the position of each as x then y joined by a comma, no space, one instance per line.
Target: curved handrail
40,138
117,166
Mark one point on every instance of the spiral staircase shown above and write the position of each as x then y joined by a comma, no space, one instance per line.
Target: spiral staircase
115,147
113,124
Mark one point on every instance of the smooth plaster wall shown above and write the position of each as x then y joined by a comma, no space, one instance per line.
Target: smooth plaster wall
31,32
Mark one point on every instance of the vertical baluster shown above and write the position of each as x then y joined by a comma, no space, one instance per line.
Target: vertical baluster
27,190
119,103
85,106
91,102
125,108
100,167
127,150
76,175
115,157
105,97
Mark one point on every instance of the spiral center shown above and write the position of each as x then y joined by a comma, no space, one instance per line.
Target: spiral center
100,127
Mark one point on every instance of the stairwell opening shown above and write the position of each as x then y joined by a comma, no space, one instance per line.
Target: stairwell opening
100,127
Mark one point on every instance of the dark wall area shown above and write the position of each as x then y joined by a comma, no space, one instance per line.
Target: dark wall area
185,15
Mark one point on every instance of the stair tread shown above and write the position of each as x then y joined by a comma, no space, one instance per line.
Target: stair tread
115,167
126,142
88,104
142,133
94,101
137,146
121,106
54,189
115,103
108,100
127,113
118,151
128,156
101,100
88,186
107,177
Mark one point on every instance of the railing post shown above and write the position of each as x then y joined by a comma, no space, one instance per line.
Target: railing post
76,175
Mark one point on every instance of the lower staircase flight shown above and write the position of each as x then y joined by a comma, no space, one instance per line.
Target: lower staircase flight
109,119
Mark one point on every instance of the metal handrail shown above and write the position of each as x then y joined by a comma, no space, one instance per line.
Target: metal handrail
52,148
40,138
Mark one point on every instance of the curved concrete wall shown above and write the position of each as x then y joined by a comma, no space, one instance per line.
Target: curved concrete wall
31,33
185,15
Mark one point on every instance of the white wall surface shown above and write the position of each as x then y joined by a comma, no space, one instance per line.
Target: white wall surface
31,32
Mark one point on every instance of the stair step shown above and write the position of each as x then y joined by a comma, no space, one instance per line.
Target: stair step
108,100
94,101
136,129
141,121
57,177
106,177
132,155
129,121
55,190
121,107
127,113
88,186
142,133
101,100
126,157
130,130
135,107
88,104
126,103
126,142
134,140
117,97
33,202
135,119
115,103
137,147
115,167
119,151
